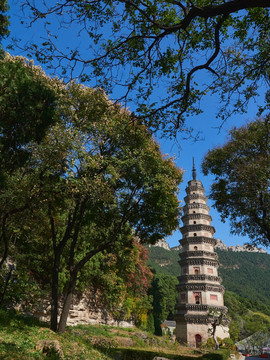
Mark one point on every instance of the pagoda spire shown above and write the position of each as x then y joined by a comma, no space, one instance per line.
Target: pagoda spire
194,175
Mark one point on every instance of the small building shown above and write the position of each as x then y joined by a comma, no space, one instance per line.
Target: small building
168,327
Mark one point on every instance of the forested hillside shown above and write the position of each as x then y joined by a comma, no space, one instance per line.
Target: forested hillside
245,276
165,261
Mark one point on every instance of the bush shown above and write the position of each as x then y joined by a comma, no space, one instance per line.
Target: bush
228,343
150,326
221,354
210,344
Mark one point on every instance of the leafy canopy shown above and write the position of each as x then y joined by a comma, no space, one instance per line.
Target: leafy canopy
4,23
160,50
95,180
27,107
242,180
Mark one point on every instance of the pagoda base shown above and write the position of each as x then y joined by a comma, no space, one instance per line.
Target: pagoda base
194,334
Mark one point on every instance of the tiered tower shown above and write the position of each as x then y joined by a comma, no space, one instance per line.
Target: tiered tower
199,287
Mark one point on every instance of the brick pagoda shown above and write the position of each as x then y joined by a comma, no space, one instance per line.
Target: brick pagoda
199,287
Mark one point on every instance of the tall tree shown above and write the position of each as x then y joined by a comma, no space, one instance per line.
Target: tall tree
4,23
164,295
99,179
159,49
242,180
27,109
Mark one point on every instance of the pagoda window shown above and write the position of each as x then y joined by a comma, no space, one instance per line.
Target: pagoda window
194,212
195,234
196,271
194,222
195,248
197,298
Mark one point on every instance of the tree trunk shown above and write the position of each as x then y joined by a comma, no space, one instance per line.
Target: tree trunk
6,285
216,342
67,302
54,293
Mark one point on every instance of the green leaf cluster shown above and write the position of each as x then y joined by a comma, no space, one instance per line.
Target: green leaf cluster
4,23
27,109
242,178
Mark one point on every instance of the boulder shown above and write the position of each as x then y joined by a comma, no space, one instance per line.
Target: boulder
50,347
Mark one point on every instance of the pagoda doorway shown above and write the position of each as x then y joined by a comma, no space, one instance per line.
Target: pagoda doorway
198,340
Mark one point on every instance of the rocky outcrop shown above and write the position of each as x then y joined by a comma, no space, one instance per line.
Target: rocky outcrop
50,348
238,248
176,248
162,243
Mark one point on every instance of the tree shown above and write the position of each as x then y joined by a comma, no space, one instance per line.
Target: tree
216,318
158,50
242,179
27,109
99,179
121,279
4,23
164,295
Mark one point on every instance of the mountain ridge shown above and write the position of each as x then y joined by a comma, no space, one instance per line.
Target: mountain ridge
220,245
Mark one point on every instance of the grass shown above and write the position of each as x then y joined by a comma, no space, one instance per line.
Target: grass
19,336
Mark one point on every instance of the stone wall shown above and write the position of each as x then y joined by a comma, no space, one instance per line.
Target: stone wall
85,310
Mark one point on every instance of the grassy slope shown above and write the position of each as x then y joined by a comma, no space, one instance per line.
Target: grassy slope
19,335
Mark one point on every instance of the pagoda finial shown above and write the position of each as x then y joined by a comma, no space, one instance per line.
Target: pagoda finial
194,170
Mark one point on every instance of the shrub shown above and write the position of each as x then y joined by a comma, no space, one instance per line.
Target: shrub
221,354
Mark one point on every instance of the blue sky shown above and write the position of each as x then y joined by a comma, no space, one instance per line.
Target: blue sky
206,123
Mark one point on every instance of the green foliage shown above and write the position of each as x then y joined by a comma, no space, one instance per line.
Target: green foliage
241,186
96,180
163,260
246,320
121,279
21,288
27,108
164,294
150,327
228,343
246,274
4,23
221,354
